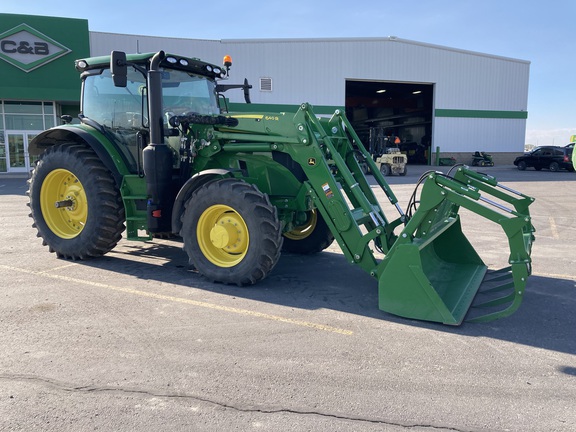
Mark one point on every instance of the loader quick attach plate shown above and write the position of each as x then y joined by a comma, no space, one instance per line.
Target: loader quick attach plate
433,272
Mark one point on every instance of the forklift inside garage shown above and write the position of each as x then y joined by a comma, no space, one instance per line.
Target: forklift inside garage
393,113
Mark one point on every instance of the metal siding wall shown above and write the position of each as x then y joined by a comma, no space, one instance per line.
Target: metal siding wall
103,43
481,83
316,71
299,73
469,134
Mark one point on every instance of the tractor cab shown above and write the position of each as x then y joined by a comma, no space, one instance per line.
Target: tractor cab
121,112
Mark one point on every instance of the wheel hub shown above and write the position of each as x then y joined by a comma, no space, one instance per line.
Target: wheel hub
222,236
227,234
64,203
302,231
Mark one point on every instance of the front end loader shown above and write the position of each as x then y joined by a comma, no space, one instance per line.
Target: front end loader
155,155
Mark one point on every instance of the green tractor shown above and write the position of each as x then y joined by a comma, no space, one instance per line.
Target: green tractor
155,155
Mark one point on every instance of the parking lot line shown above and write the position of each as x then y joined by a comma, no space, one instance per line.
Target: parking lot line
207,305
553,228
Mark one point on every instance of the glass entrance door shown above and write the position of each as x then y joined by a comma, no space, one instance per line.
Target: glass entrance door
17,158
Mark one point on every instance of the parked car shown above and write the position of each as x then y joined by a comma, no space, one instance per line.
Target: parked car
553,158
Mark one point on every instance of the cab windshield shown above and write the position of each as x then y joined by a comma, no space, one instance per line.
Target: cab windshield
127,107
123,111
184,92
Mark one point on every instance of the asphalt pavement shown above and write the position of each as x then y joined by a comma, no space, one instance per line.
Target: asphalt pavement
138,341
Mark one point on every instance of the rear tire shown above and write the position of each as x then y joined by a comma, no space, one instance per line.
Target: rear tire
554,167
231,232
75,203
312,237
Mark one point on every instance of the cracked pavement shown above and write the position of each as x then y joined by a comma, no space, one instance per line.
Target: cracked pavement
137,341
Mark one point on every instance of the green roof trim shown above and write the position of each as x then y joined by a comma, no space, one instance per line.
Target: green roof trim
256,107
481,114
329,109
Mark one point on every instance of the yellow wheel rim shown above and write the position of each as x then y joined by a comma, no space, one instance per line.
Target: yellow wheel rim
303,231
64,204
222,236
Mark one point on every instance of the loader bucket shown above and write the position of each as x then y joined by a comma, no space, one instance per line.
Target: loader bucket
433,273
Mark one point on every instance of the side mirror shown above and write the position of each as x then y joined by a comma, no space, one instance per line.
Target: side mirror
246,88
119,68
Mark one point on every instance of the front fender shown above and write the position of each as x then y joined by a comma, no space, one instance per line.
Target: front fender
186,191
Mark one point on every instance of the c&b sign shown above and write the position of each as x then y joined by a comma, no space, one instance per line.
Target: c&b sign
28,49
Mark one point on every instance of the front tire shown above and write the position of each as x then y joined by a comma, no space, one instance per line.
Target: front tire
74,202
521,165
231,232
385,169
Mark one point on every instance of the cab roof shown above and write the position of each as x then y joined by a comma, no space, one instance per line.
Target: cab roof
171,61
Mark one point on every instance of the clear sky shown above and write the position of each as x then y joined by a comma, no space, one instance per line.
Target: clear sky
543,33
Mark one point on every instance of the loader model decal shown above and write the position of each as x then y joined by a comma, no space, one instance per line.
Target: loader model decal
327,191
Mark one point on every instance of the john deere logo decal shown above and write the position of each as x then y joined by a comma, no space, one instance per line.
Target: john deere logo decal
28,49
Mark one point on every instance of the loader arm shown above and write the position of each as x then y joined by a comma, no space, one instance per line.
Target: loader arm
430,270
340,190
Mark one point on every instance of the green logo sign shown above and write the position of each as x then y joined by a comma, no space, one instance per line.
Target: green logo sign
28,49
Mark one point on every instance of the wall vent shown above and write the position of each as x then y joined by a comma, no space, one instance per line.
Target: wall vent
266,84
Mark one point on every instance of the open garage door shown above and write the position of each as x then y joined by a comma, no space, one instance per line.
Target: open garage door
384,113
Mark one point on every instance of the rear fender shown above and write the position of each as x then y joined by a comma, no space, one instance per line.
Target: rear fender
105,150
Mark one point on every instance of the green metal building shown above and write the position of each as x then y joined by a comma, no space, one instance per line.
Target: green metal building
39,82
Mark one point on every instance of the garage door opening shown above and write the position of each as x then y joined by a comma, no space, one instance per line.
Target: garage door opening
385,113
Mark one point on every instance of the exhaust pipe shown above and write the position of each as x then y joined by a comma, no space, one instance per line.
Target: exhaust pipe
157,157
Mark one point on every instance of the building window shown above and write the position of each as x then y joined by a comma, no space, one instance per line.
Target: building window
20,121
27,115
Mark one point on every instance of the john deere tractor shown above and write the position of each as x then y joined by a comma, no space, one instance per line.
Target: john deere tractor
154,154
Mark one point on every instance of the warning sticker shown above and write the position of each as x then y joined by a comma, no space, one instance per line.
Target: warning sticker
327,191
